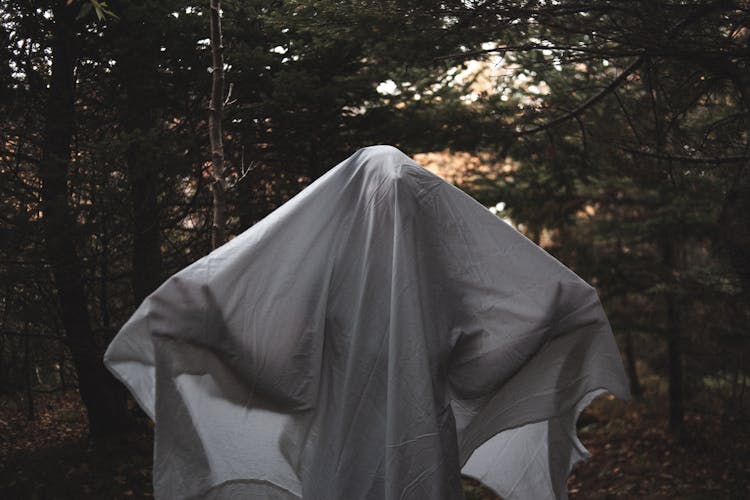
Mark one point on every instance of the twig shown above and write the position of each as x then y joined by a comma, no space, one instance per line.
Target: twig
228,101
586,104
686,159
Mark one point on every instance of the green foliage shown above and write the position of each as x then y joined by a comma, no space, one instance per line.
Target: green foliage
101,10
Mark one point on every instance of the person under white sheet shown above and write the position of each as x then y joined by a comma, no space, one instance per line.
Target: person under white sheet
375,337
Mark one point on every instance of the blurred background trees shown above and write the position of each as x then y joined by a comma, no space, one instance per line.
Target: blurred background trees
614,134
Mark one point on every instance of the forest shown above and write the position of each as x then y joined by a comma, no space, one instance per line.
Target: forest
613,133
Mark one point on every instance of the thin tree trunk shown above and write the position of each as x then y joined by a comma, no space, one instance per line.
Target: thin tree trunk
61,372
630,365
4,366
3,363
674,345
147,259
216,112
102,395
674,341
137,70
734,223
142,173
30,414
668,247
104,273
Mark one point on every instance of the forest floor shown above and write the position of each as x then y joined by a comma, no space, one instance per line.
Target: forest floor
632,455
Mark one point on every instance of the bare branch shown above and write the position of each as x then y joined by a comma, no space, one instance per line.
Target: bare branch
586,104
686,159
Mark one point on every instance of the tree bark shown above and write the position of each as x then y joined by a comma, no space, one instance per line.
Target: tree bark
216,112
102,395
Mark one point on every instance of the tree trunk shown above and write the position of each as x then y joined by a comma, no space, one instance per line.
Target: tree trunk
5,365
734,224
104,272
61,372
630,366
102,395
142,173
674,340
147,260
216,112
138,73
30,413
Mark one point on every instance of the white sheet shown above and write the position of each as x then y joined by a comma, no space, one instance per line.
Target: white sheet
372,338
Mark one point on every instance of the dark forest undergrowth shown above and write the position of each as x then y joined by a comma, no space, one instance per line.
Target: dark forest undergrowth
632,455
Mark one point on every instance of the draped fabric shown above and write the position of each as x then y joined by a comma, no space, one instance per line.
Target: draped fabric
375,337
